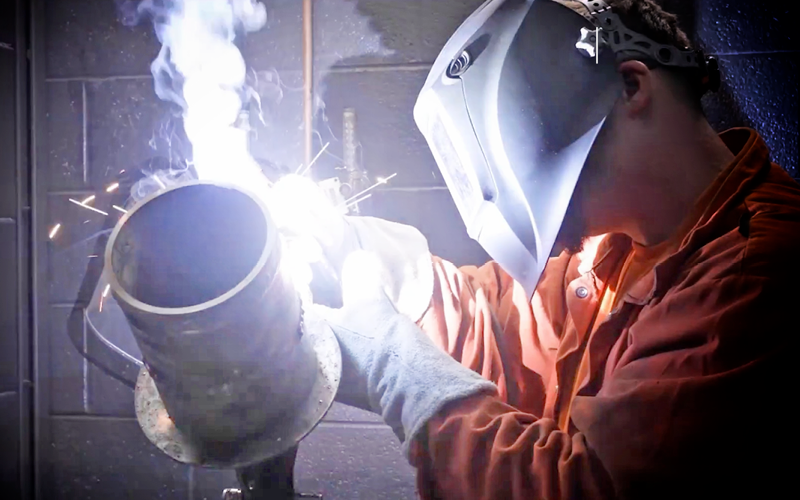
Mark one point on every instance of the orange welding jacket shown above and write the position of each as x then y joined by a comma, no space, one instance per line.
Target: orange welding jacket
657,372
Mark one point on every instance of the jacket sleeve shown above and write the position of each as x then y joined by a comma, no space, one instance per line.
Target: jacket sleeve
674,418
485,447
483,319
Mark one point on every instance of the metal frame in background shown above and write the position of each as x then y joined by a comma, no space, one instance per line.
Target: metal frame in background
308,81
37,150
24,271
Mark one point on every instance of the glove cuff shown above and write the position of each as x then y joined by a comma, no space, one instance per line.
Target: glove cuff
412,380
420,421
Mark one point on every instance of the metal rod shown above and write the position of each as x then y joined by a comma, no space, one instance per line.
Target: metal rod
38,294
308,81
350,143
84,135
25,367
342,68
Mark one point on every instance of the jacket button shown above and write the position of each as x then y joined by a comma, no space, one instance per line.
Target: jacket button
582,292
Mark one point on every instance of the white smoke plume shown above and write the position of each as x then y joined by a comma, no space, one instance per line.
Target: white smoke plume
200,68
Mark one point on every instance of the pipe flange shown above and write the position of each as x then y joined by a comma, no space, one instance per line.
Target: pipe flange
286,432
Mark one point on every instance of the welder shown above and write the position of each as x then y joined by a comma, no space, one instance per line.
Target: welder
632,337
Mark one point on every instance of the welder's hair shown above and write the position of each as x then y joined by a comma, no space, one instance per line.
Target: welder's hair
647,18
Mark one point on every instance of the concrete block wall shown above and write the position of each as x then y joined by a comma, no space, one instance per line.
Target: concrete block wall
371,55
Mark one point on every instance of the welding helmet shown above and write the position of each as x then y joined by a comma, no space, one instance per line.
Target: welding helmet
511,109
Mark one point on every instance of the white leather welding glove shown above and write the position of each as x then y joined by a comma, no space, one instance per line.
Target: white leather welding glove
389,365
302,211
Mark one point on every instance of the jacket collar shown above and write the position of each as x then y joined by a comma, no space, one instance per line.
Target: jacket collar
735,181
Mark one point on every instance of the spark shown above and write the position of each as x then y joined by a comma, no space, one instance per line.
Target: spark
112,187
380,182
122,171
119,209
87,206
159,182
356,202
88,199
54,231
93,256
314,160
102,297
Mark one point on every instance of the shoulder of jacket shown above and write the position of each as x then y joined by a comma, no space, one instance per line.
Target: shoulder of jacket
771,225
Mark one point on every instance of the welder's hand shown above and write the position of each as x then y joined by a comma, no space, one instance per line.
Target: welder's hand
389,366
327,237
303,212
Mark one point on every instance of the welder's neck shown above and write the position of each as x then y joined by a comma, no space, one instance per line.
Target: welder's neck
661,192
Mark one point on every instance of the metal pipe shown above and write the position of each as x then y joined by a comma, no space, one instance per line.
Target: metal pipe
308,81
25,353
349,157
357,179
350,143
39,290
196,270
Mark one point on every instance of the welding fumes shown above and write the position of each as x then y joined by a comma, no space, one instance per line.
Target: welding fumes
200,68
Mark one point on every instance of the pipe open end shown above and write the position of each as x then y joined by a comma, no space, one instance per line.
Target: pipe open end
189,245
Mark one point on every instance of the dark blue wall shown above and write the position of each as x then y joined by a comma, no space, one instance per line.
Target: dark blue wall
373,55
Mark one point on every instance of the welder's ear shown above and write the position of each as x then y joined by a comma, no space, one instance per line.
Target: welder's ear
638,87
